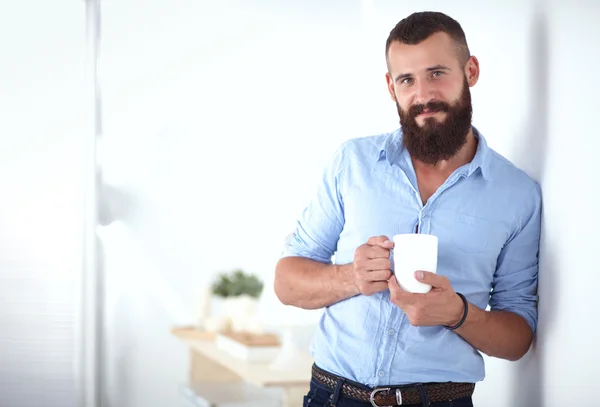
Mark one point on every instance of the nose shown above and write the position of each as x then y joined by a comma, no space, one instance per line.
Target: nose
423,92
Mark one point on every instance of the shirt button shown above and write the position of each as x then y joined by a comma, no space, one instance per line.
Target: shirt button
380,373
391,332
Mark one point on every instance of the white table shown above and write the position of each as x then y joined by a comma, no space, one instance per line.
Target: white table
210,364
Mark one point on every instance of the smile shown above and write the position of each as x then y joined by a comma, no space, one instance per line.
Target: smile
428,113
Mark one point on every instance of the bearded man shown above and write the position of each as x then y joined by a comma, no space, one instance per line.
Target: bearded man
378,344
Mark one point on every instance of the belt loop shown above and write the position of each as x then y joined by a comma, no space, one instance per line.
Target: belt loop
424,398
336,393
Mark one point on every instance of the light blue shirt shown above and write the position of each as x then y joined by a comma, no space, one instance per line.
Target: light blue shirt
487,220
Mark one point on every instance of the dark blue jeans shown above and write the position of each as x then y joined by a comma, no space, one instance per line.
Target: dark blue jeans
320,395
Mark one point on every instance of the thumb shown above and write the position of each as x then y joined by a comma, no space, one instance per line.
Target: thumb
427,277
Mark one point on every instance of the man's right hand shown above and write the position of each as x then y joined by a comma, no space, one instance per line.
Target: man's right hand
372,266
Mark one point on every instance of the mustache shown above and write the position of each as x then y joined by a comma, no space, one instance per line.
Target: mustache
431,106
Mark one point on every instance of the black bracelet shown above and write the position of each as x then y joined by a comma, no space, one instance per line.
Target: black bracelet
464,317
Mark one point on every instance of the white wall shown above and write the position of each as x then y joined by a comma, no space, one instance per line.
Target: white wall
197,98
43,128
218,119
568,348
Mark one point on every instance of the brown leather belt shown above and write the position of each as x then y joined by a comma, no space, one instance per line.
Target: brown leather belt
390,396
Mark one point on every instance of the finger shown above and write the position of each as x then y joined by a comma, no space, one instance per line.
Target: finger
382,241
377,252
435,280
378,264
393,284
397,295
395,287
377,275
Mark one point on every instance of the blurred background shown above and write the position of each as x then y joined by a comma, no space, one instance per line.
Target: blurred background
148,147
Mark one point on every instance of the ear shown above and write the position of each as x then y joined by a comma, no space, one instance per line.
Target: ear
472,70
390,85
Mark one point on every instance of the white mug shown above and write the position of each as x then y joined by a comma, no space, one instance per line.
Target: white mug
412,252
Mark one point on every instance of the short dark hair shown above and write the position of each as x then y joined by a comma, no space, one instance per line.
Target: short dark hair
419,26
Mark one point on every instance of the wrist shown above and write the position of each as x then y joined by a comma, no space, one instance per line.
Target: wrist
460,313
458,309
346,275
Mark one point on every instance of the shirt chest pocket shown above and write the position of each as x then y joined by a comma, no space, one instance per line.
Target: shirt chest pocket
471,234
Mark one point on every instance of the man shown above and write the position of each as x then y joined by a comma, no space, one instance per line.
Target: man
377,344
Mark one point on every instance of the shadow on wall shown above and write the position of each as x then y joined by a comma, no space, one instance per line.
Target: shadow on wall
143,364
528,373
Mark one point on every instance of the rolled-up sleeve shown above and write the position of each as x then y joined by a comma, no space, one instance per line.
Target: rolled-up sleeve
515,282
318,230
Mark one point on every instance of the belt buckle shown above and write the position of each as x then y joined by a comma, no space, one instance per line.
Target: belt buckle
375,391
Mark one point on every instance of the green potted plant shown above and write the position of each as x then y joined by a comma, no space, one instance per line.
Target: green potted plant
237,283
238,293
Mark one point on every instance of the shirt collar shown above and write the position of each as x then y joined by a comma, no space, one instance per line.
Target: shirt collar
481,159
392,147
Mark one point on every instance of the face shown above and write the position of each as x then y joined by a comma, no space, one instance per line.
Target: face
431,90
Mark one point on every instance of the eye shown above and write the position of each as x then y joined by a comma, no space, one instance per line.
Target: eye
437,73
406,81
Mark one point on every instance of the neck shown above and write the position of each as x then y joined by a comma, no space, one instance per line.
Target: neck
463,156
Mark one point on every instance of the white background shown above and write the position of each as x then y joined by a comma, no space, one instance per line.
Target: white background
217,119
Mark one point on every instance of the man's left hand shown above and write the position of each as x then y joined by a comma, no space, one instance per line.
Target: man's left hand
440,306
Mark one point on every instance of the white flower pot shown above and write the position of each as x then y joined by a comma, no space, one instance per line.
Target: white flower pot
241,312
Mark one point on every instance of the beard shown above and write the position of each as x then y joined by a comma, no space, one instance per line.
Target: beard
437,140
